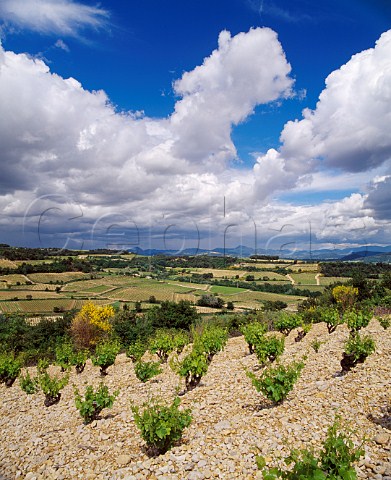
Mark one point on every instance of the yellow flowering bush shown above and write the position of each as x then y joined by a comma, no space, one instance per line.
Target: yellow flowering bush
345,295
91,324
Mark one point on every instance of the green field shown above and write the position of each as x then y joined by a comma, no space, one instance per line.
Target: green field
13,279
116,286
305,278
330,280
56,277
226,290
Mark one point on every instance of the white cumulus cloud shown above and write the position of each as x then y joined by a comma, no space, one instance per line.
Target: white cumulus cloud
60,141
65,17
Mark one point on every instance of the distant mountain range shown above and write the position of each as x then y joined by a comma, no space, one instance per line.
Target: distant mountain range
370,253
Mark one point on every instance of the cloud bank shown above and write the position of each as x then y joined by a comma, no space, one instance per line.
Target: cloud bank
78,168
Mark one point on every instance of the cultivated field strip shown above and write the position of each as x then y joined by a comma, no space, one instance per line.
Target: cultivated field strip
57,277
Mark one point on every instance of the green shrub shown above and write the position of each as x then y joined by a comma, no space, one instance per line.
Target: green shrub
287,322
192,368
64,355
269,348
276,382
180,340
252,333
28,384
305,328
332,318
105,355
42,366
129,327
384,321
356,320
136,350
210,301
357,349
94,401
316,344
161,426
9,368
335,460
162,344
173,315
210,341
79,360
146,370
51,387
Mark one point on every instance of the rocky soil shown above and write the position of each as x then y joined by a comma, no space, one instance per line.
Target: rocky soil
232,423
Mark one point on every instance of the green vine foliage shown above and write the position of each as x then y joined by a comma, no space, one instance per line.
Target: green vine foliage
357,349
384,321
276,382
161,426
162,343
9,368
334,462
287,322
94,401
211,340
64,355
51,387
356,319
180,340
27,384
146,370
193,367
316,344
79,360
105,355
331,317
136,350
253,333
269,348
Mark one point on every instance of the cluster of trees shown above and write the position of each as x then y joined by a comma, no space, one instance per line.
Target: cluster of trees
59,266
349,269
24,253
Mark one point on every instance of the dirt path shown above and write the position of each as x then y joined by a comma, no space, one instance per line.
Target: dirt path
290,279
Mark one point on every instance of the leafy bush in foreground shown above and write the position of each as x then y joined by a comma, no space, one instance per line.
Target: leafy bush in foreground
384,321
94,401
105,355
162,343
27,384
9,369
335,460
211,341
51,387
276,382
252,333
160,425
269,348
357,349
332,318
146,370
193,367
287,322
136,350
356,320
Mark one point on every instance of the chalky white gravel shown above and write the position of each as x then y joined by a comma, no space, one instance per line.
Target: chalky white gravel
232,423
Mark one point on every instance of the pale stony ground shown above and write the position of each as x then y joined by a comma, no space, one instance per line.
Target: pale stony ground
231,421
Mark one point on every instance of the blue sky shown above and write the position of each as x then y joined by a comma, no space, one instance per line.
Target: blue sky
157,152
